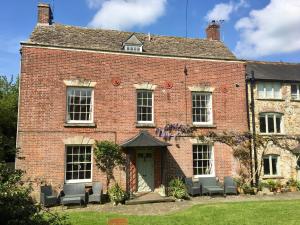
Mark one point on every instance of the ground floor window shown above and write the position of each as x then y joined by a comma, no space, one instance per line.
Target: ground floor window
271,163
78,163
203,160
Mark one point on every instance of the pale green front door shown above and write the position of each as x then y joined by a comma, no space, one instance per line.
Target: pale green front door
145,170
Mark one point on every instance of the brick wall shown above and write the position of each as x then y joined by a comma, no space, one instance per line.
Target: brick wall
43,103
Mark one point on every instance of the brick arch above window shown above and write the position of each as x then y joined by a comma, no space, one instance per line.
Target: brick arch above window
79,83
79,140
145,86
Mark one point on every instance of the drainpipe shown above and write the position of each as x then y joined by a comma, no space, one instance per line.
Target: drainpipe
248,119
252,83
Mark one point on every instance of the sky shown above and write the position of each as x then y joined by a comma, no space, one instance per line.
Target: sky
265,30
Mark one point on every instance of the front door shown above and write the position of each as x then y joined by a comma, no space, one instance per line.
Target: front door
145,170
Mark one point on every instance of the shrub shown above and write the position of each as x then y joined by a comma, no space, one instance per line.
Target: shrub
272,184
117,194
298,185
291,183
177,189
262,185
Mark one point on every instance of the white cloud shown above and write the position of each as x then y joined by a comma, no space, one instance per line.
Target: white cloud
223,11
271,30
125,14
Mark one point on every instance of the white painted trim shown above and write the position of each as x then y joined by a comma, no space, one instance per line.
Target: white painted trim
211,122
142,121
33,45
213,174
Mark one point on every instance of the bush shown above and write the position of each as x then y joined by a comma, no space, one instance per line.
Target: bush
291,183
298,185
17,205
116,194
262,185
272,184
177,189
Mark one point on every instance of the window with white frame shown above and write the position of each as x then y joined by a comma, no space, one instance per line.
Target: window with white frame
133,48
202,108
79,105
270,123
271,165
144,106
295,91
269,90
78,163
203,160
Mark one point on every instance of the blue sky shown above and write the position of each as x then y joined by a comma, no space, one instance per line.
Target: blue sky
253,29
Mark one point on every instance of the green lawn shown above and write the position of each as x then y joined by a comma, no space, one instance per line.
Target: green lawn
266,212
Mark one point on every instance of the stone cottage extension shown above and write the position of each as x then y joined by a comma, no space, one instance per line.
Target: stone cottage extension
78,85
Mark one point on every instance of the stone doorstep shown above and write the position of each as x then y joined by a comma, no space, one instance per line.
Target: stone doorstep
151,197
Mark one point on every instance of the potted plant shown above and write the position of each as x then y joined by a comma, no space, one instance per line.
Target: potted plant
278,186
292,184
117,195
177,189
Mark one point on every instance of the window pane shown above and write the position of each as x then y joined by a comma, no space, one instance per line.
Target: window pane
202,160
144,106
266,166
294,88
270,123
269,90
261,92
276,90
274,165
201,107
278,122
262,124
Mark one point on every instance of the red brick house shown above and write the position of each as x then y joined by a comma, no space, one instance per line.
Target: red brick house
78,85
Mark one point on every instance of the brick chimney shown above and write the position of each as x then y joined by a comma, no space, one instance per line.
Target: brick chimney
45,15
213,31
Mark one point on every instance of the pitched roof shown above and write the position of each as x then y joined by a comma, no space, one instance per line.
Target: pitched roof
65,36
274,71
144,139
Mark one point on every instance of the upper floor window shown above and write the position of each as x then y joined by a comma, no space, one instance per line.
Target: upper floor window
269,90
203,160
271,164
295,91
133,48
270,123
78,163
79,105
144,106
202,108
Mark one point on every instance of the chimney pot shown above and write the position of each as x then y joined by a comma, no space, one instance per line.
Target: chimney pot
45,15
213,31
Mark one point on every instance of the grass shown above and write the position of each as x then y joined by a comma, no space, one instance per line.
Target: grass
241,213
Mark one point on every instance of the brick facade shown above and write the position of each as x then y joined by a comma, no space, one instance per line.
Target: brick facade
42,112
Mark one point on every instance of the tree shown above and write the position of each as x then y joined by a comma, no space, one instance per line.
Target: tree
8,117
17,205
108,156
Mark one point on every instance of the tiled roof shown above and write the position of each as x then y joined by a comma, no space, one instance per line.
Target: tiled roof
57,35
274,71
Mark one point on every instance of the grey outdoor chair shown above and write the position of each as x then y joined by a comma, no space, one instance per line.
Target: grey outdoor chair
209,186
193,188
46,197
230,186
97,193
73,193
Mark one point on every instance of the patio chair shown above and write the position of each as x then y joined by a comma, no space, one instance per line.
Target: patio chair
73,193
209,186
193,188
46,197
97,193
230,186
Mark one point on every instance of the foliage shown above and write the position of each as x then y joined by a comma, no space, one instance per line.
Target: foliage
247,188
291,183
271,184
108,156
8,118
298,185
117,194
177,189
262,185
16,204
174,130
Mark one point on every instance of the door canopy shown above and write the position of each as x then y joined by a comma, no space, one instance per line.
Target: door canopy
144,139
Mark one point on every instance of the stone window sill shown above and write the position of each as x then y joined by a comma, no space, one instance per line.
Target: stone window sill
271,99
80,125
264,134
204,125
272,177
295,100
145,125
